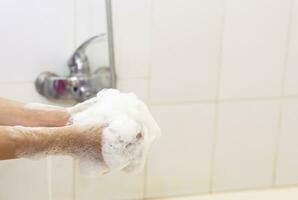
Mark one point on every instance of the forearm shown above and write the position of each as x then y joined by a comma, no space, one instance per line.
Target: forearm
74,140
18,141
15,113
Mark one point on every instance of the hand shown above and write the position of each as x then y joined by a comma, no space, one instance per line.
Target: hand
82,106
83,141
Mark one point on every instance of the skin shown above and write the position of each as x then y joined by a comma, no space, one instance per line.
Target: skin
19,141
28,130
15,113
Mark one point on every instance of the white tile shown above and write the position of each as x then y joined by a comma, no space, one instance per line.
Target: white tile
52,177
20,91
131,20
287,164
245,145
254,48
272,194
137,86
116,186
25,92
36,36
24,179
291,84
180,161
186,46
91,21
62,177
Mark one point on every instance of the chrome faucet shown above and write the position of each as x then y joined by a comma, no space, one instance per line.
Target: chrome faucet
81,84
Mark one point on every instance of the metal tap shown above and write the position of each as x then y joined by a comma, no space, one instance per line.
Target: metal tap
81,84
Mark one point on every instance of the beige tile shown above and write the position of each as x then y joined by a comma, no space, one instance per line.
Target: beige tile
131,20
61,174
291,84
116,186
51,177
272,194
185,49
180,161
32,36
20,91
287,165
26,92
24,179
91,21
245,145
137,86
254,48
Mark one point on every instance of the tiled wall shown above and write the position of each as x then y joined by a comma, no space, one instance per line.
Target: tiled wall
221,81
220,76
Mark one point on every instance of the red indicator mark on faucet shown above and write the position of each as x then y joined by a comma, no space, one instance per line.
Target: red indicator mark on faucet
59,86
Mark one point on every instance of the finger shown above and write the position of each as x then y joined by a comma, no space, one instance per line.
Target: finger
82,106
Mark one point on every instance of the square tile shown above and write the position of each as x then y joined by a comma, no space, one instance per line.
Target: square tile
245,145
61,177
291,83
185,49
115,186
254,48
91,21
131,22
39,37
52,177
20,91
180,160
25,92
287,165
137,86
24,179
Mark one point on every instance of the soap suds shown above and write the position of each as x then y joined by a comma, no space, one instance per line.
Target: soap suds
129,132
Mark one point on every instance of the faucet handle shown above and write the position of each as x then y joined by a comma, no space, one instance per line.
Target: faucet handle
78,62
80,84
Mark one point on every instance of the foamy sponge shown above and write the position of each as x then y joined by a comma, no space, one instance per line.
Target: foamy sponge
130,128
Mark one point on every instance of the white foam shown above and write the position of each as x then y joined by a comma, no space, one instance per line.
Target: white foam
130,131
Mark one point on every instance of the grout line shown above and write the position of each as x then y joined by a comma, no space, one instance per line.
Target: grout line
132,78
216,111
75,25
145,180
74,167
236,100
150,46
50,181
75,43
246,190
16,82
282,92
149,78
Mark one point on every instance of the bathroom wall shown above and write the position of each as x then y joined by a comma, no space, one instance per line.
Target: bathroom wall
220,77
39,36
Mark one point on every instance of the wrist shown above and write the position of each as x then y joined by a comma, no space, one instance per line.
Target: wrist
44,115
32,142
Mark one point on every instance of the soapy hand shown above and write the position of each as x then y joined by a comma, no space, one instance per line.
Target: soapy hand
113,129
82,141
80,107
129,130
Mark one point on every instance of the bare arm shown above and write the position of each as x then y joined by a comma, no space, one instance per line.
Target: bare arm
15,113
18,141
